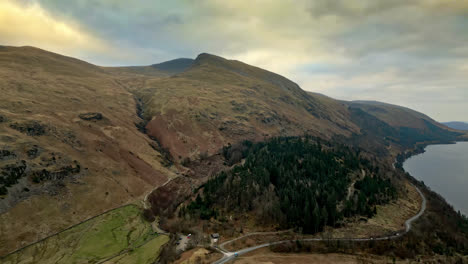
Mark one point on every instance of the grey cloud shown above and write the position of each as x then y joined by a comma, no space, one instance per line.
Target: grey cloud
353,9
135,26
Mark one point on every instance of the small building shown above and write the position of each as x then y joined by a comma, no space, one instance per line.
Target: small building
215,237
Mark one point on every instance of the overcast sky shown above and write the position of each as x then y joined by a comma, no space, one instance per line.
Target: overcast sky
411,53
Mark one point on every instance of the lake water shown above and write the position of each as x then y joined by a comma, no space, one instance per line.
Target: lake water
444,168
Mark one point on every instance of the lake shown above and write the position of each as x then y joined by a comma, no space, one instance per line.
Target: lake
444,168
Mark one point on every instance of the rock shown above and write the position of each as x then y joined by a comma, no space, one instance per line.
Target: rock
30,128
33,152
91,116
6,154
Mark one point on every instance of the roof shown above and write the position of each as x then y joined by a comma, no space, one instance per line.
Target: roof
215,235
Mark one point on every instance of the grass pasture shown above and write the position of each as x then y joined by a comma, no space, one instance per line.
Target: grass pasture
146,253
121,234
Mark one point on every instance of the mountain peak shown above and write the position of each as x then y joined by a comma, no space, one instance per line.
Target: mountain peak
209,58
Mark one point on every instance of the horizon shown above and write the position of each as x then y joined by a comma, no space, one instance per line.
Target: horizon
372,50
357,100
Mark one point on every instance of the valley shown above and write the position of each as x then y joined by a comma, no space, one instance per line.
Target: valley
97,161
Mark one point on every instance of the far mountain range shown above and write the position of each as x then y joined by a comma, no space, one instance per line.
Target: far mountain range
457,125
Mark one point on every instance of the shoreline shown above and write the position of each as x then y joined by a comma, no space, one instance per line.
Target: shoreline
421,149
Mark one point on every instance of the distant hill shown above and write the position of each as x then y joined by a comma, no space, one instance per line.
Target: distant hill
394,115
457,125
174,66
163,69
397,125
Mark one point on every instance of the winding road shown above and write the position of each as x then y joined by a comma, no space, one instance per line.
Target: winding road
232,255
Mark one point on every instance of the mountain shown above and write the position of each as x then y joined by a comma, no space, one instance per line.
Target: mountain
78,139
219,101
69,147
457,125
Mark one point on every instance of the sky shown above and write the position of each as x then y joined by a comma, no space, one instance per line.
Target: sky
410,53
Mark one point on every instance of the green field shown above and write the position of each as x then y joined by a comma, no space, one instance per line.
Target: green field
119,236
144,254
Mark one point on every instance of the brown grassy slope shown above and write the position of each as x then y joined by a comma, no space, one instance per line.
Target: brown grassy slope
219,101
117,162
394,115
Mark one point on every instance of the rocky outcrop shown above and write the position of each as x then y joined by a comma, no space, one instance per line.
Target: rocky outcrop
33,151
91,116
6,154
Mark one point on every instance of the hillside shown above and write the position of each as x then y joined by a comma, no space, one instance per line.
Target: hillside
77,139
295,182
457,125
396,127
67,135
219,101
394,115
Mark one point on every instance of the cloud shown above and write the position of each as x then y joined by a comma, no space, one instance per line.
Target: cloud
29,24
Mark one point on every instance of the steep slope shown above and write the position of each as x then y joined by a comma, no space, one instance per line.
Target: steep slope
400,125
219,101
69,147
394,115
457,125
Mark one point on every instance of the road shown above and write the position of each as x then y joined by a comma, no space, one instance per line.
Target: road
231,255
221,246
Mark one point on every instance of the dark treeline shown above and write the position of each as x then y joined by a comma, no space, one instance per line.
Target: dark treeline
294,182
